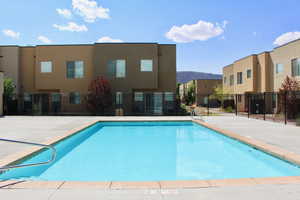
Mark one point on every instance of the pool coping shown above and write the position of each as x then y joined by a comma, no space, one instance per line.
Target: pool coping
182,184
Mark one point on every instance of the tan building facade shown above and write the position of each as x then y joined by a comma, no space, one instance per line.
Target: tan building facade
10,63
58,76
1,92
262,74
285,60
249,75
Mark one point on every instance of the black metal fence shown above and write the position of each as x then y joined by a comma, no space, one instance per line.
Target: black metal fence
281,107
130,104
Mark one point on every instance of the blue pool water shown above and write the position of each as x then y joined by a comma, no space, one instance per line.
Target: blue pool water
151,151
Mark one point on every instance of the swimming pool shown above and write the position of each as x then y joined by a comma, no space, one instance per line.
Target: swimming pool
152,151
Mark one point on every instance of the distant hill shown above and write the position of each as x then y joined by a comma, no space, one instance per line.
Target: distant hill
185,76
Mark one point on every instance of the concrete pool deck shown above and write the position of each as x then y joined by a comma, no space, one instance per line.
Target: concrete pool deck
44,128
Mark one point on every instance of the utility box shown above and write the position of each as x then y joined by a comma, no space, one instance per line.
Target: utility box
1,92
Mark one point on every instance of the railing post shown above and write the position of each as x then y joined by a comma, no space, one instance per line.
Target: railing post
264,105
248,99
236,107
285,107
207,105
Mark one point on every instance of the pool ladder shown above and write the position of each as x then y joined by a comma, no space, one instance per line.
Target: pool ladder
53,155
193,115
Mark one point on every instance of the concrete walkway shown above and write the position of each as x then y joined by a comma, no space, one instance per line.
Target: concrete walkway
39,129
278,134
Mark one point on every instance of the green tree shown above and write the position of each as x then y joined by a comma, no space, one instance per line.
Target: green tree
190,98
177,90
220,94
9,87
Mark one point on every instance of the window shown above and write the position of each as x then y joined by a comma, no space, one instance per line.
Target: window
75,69
146,65
169,96
239,77
74,98
279,68
225,79
249,73
46,67
120,68
119,98
296,67
138,96
55,97
231,80
116,68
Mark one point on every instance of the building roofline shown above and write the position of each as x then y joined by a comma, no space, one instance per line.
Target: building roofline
9,46
63,45
287,43
125,43
206,79
92,44
230,65
245,57
263,52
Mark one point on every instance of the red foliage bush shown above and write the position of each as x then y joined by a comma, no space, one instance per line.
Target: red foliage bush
288,96
99,98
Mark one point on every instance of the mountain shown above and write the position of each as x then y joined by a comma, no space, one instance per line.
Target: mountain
185,76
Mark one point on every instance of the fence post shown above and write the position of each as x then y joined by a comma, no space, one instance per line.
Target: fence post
285,107
236,111
264,105
248,99
207,105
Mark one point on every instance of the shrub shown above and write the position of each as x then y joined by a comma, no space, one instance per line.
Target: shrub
99,99
9,87
228,109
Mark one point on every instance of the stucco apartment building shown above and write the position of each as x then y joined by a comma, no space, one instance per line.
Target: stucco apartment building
1,93
53,78
262,73
202,89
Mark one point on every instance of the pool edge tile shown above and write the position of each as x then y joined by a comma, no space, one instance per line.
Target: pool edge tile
231,182
37,185
85,185
277,180
8,183
184,184
116,185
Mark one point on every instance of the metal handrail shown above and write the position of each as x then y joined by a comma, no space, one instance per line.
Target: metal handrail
193,115
53,156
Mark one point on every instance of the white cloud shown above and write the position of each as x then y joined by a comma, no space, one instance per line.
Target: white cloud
73,27
90,10
225,22
108,39
11,33
64,12
200,31
44,39
287,37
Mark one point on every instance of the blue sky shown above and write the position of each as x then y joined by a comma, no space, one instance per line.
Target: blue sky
209,33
